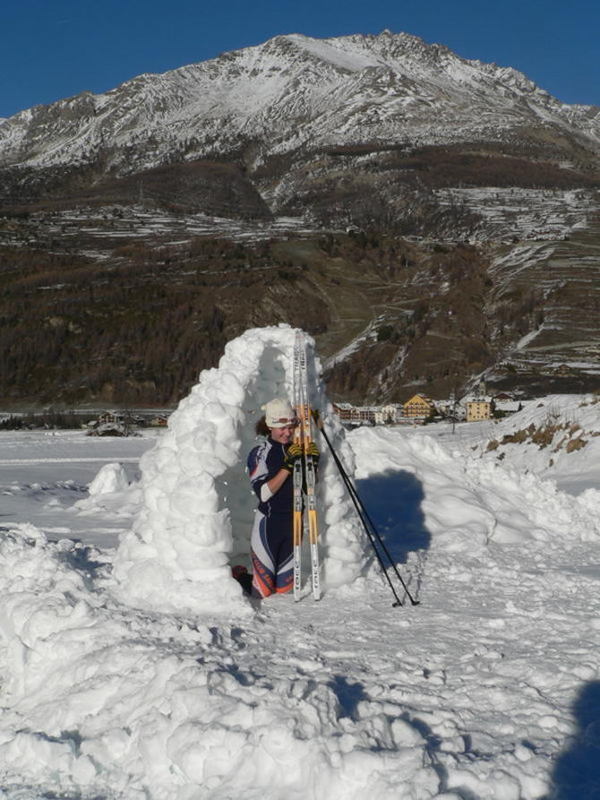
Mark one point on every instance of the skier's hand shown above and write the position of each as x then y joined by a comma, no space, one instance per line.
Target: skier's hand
313,450
294,452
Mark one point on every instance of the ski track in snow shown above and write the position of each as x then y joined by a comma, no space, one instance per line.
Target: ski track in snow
487,689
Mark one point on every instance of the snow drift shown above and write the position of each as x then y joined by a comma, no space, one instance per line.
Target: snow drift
197,508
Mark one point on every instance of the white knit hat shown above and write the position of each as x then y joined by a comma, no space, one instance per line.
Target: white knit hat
279,413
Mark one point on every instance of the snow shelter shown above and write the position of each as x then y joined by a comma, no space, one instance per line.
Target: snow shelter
198,505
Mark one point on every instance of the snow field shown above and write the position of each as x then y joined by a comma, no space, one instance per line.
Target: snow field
45,479
381,701
122,702
515,560
486,690
568,455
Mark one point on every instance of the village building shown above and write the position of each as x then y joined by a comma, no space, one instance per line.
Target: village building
478,408
368,415
505,404
109,423
389,414
349,414
160,421
110,418
343,410
418,407
565,369
446,408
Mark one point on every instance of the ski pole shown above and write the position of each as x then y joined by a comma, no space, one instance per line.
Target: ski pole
359,511
359,505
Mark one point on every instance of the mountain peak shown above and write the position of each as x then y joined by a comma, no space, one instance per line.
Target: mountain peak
290,92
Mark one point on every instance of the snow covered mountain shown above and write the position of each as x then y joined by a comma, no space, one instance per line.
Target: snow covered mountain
293,92
390,144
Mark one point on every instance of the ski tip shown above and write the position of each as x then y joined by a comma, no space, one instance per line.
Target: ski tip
396,604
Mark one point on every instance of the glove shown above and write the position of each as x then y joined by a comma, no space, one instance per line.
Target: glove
313,450
293,453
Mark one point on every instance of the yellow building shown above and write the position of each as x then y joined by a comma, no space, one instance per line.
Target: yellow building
418,407
479,408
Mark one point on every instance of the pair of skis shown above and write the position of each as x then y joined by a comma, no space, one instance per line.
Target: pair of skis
304,475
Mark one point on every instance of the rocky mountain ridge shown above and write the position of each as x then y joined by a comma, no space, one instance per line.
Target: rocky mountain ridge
292,92
391,192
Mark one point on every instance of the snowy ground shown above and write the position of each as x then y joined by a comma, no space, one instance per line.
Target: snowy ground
44,476
487,689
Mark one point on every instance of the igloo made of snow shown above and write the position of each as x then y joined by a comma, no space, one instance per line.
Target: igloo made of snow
198,506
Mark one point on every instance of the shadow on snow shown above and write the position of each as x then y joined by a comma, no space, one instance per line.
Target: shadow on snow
576,774
349,695
393,501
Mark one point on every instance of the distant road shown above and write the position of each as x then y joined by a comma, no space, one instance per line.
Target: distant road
7,461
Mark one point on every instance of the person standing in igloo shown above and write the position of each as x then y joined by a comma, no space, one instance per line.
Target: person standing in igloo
270,465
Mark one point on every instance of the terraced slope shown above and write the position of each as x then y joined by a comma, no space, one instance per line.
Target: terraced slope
559,284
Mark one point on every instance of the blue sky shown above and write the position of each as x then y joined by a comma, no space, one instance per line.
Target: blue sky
50,49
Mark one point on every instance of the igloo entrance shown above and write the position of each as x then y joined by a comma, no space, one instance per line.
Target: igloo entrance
198,505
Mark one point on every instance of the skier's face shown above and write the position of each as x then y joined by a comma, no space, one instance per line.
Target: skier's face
283,435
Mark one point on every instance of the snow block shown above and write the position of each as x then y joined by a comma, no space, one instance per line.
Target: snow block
111,478
198,506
